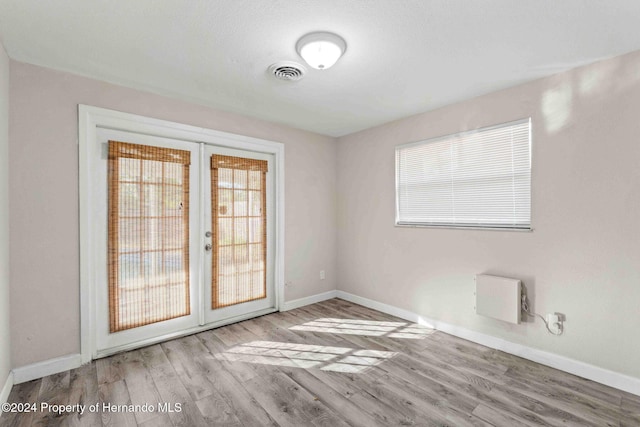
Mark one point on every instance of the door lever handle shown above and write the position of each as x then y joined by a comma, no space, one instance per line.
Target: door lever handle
208,247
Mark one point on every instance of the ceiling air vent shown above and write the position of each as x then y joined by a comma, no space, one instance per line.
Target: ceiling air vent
288,71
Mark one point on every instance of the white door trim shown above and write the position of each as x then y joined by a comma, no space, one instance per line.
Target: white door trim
220,314
89,119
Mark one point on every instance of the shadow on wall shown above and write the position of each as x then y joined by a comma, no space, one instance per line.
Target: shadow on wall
588,83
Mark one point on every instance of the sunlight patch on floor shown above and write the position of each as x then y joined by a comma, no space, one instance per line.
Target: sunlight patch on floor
306,356
366,327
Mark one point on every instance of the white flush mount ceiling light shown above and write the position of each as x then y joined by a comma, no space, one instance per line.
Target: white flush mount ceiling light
321,50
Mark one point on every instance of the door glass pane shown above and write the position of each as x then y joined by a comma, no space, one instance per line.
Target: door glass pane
148,235
239,223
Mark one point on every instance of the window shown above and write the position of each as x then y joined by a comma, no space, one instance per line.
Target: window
239,207
477,179
148,243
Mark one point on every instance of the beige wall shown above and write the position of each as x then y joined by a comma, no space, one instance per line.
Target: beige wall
44,199
5,352
583,259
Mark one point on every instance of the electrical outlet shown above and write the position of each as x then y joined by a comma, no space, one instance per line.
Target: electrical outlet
321,274
555,322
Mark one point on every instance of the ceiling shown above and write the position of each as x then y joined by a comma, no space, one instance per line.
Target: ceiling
403,56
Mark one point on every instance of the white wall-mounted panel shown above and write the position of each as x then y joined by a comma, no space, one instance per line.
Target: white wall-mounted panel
498,297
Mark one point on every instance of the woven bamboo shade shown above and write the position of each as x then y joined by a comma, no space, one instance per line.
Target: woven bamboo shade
239,216
148,242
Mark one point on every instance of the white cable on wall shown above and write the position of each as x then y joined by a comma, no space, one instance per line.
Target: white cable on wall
525,308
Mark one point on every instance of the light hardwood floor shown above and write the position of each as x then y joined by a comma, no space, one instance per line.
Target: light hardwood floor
328,364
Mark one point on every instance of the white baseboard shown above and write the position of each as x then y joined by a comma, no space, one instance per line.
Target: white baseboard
4,394
72,361
604,376
301,302
46,367
594,373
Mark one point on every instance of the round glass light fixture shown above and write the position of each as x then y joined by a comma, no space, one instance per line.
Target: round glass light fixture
321,50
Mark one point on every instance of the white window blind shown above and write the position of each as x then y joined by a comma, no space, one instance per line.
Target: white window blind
477,179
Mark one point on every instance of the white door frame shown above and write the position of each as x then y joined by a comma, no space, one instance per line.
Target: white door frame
89,119
212,315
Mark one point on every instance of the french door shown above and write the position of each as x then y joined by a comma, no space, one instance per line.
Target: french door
237,249
187,238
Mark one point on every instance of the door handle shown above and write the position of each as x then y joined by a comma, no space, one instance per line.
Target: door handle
208,247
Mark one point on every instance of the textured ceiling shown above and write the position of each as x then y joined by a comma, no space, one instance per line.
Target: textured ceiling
403,57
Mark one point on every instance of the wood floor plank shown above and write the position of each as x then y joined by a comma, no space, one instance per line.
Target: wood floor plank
473,363
216,411
460,368
190,374
347,334
355,388
21,393
495,417
162,420
293,400
630,407
83,390
259,327
282,332
405,411
329,419
631,403
391,337
536,373
171,389
429,377
285,401
227,402
384,405
109,370
343,382
336,399
388,415
235,334
116,394
423,373
273,330
462,346
592,411
290,321
342,306
242,371
142,389
333,363
436,405
25,392
241,402
53,391
627,421
551,415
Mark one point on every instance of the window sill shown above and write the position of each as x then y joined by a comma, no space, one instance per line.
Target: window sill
471,228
